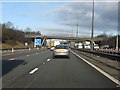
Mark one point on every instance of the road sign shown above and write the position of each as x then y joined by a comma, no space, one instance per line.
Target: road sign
38,42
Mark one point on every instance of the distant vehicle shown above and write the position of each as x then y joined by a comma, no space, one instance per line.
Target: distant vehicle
80,45
87,46
72,44
56,43
52,48
76,45
52,44
105,47
61,50
96,46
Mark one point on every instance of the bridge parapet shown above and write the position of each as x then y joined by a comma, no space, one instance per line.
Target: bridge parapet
65,38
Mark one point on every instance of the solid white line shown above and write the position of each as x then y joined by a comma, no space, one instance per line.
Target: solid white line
34,70
48,60
100,70
12,59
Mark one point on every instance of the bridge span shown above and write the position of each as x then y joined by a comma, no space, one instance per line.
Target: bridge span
64,38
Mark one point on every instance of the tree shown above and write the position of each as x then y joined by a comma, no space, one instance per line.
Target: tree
28,30
103,35
9,25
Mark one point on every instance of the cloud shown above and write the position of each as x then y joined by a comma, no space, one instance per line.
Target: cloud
106,15
22,13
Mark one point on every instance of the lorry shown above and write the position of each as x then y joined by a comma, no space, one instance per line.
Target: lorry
56,43
51,43
87,45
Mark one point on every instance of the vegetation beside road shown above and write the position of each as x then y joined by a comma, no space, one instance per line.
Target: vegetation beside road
109,40
18,45
12,37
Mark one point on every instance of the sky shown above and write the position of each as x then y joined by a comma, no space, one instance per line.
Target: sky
60,18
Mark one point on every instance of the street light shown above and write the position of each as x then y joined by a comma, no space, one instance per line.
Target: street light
92,46
70,30
77,22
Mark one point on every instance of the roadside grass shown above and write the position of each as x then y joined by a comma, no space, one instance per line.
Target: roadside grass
18,45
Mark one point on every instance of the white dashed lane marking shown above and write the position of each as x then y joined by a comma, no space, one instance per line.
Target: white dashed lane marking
48,60
34,70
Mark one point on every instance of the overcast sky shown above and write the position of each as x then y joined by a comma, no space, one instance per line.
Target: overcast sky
54,18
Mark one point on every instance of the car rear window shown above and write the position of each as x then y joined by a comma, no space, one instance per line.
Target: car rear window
61,47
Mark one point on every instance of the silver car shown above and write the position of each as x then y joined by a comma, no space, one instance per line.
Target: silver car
61,50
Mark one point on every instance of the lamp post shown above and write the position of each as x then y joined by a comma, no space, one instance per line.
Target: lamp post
70,30
92,46
77,31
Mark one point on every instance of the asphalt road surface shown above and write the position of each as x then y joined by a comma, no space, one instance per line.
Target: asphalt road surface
38,69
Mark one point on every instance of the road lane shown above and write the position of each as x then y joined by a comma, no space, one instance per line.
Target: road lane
69,73
56,73
13,70
22,53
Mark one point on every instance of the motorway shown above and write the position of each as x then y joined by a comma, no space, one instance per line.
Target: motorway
37,69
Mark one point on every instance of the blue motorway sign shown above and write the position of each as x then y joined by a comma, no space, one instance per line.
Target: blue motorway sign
38,42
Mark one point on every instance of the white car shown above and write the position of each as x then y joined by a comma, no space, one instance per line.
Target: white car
96,46
87,47
61,50
80,46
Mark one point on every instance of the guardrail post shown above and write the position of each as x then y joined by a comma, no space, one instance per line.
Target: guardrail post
12,49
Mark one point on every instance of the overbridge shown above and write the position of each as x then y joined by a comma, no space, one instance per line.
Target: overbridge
63,37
